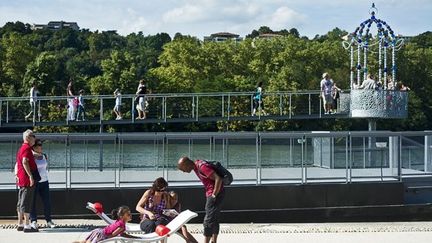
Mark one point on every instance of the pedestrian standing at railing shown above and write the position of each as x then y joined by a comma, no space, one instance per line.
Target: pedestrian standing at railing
336,95
34,92
369,83
42,187
117,107
403,87
81,109
326,87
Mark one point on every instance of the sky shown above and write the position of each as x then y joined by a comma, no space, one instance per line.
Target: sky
203,17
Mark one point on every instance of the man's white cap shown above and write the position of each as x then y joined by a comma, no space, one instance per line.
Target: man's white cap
325,75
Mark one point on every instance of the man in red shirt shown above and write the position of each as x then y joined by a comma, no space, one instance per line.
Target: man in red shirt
215,194
25,164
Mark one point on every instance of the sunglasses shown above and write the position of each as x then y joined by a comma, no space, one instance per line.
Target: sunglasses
161,190
32,135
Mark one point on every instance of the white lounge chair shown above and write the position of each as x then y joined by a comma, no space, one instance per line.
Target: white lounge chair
173,226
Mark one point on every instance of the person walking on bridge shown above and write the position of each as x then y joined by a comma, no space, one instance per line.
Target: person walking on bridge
215,194
258,104
33,98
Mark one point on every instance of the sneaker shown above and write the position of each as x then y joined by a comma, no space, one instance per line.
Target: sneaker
34,224
20,227
51,224
30,229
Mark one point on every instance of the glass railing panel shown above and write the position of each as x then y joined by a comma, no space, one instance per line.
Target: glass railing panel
176,148
141,154
370,158
241,158
281,158
8,150
325,157
93,160
341,152
93,154
241,153
200,148
412,154
141,160
195,148
56,153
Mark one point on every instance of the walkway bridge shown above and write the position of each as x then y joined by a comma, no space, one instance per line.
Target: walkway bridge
204,107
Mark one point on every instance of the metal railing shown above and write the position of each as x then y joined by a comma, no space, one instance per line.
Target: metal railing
118,160
190,107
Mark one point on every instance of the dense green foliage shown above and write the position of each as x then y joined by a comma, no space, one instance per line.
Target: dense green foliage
99,62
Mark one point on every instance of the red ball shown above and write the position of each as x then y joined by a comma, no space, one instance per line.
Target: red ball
98,207
162,230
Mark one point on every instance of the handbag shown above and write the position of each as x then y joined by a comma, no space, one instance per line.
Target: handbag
36,176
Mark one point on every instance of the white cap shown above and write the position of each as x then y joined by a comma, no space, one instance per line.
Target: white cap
325,75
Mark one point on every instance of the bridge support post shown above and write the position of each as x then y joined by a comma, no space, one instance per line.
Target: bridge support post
371,141
428,153
100,148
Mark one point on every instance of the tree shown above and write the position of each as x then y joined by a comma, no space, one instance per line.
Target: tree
18,27
44,71
119,71
17,54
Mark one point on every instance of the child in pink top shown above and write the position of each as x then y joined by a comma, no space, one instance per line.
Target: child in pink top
122,216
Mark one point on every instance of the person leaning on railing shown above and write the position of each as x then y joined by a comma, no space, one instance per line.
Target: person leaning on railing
368,84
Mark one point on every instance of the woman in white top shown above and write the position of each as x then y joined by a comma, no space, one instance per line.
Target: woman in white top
42,187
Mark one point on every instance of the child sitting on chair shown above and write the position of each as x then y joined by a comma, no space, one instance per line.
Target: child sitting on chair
122,216
173,203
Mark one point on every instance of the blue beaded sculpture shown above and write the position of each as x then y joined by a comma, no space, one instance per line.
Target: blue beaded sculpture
385,39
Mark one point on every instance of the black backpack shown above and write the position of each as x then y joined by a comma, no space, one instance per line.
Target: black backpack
221,171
